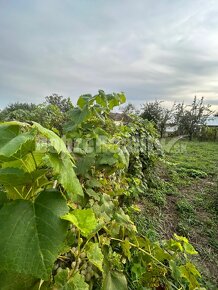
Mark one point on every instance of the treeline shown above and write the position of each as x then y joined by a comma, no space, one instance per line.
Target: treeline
180,119
52,113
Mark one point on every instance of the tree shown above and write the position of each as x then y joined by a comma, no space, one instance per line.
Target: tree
52,114
191,118
17,111
62,103
130,109
154,111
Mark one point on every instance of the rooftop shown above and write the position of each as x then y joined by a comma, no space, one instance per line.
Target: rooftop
212,121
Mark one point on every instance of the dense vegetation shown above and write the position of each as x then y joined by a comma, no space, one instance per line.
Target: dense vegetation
67,206
189,120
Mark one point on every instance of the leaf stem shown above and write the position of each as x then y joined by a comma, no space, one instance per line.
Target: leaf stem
147,253
34,160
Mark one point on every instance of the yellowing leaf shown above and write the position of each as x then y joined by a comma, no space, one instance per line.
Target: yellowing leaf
126,249
190,249
83,219
189,272
180,238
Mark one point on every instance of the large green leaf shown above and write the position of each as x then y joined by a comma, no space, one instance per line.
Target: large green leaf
77,116
190,273
84,99
12,143
63,167
14,176
83,219
84,164
114,280
15,281
3,198
31,234
8,131
55,140
28,163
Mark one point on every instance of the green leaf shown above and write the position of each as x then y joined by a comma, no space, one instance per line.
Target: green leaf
191,267
31,234
77,116
174,245
101,99
63,167
14,145
122,98
189,249
180,238
175,270
84,164
14,176
12,142
93,183
55,140
190,275
83,100
63,282
138,270
3,198
15,281
126,249
95,255
114,281
92,193
8,131
107,159
28,161
83,219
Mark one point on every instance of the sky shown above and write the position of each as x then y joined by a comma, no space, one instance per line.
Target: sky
151,50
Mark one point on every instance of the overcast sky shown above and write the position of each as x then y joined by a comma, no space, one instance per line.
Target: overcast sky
163,49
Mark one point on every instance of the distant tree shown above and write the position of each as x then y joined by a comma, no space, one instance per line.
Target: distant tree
62,103
130,109
154,111
189,119
52,114
17,111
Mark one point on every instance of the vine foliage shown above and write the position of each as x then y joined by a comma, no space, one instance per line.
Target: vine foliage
63,220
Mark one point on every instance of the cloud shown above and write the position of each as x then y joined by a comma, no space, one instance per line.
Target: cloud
150,51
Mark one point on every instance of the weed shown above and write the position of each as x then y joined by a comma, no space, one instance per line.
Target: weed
183,206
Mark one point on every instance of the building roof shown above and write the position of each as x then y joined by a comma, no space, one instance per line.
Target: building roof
212,121
171,129
120,117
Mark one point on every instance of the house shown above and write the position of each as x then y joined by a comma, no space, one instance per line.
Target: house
171,128
212,122
210,129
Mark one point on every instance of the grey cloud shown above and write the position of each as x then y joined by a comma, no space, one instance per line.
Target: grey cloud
145,49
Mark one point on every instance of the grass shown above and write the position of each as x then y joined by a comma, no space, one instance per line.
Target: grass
186,202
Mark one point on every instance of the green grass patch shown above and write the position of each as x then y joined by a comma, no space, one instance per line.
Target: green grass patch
183,198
